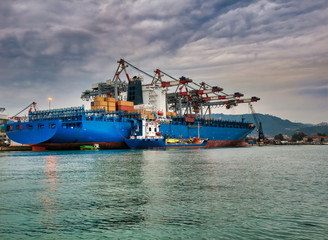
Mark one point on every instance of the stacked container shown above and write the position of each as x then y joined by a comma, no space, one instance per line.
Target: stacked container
171,114
143,114
99,103
124,105
111,106
103,103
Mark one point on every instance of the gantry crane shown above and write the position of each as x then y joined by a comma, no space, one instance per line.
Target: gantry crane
188,98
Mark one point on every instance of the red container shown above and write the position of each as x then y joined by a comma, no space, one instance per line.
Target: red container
125,108
189,119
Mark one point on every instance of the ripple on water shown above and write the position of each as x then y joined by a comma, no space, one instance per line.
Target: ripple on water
231,193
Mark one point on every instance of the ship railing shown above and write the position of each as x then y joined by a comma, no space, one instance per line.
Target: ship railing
56,113
211,122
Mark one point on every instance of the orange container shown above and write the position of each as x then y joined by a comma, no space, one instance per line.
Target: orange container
100,103
111,109
111,104
125,108
124,103
110,99
99,99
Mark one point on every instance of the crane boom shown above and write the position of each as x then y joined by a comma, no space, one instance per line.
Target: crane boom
259,129
188,96
33,104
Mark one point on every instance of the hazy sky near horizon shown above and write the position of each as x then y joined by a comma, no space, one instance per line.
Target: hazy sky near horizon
275,50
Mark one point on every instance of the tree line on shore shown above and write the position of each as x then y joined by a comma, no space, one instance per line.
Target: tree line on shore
299,136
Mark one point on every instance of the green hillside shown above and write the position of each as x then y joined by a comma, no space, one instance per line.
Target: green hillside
274,125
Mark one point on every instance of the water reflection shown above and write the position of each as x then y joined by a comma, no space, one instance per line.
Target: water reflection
240,193
119,193
48,198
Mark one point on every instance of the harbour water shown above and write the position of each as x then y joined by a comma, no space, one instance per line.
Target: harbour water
276,192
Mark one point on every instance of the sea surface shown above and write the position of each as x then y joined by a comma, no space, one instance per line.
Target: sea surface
273,192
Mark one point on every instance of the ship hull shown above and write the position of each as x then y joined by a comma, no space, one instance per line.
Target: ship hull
58,135
226,143
159,144
123,145
111,133
76,146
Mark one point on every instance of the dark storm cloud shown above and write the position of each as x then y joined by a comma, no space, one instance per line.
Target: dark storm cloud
39,58
52,46
122,26
263,21
10,48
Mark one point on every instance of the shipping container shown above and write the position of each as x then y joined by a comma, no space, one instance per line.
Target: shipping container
124,103
99,99
110,99
171,114
111,104
100,103
111,109
126,108
189,119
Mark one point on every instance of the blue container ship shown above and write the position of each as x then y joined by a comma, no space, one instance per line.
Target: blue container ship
113,124
70,128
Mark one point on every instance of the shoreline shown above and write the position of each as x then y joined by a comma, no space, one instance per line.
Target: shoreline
29,148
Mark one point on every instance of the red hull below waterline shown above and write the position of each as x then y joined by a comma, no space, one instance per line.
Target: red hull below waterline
226,143
76,146
122,145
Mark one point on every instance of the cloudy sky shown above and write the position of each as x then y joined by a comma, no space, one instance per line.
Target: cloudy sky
276,50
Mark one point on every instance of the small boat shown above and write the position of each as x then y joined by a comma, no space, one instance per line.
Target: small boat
90,147
150,138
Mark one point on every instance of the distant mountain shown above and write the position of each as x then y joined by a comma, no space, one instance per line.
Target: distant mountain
325,124
314,130
274,125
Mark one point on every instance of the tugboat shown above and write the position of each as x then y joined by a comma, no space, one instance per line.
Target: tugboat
150,138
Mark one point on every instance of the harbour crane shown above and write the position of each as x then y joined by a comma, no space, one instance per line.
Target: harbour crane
31,106
189,97
259,129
